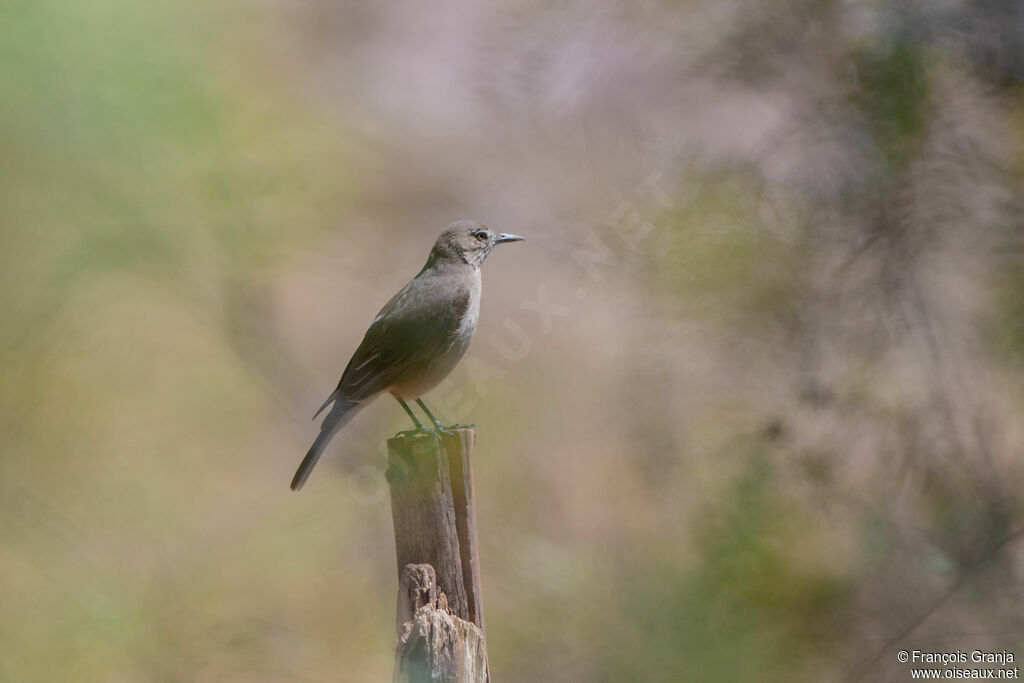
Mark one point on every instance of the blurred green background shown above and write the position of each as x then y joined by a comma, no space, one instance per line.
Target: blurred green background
769,431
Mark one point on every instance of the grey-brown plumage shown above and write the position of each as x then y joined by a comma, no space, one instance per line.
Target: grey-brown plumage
417,338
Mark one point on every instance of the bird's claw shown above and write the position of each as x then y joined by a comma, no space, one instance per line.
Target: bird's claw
450,429
440,429
413,432
437,430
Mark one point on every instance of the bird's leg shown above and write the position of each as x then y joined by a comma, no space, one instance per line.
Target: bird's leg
437,423
419,425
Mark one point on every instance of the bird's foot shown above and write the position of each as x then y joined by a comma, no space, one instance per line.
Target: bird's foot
441,430
450,429
412,432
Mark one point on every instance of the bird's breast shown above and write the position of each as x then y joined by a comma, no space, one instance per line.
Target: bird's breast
464,301
471,311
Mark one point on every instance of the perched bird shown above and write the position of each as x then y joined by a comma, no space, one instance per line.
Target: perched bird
417,338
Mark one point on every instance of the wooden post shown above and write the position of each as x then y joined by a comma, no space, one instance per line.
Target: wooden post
440,610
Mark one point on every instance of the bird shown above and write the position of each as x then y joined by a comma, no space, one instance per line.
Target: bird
417,338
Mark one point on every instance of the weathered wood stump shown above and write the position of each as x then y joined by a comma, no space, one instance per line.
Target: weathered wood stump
440,611
433,644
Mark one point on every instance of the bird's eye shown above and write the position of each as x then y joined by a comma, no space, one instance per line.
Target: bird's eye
480,235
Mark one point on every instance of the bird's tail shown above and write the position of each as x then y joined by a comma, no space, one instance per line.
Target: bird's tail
341,412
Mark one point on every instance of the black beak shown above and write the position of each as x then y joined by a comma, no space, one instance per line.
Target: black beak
505,237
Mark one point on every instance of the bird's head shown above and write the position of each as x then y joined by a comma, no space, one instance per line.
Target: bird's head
468,241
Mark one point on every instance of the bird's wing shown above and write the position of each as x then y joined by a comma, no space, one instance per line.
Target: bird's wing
330,399
414,327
